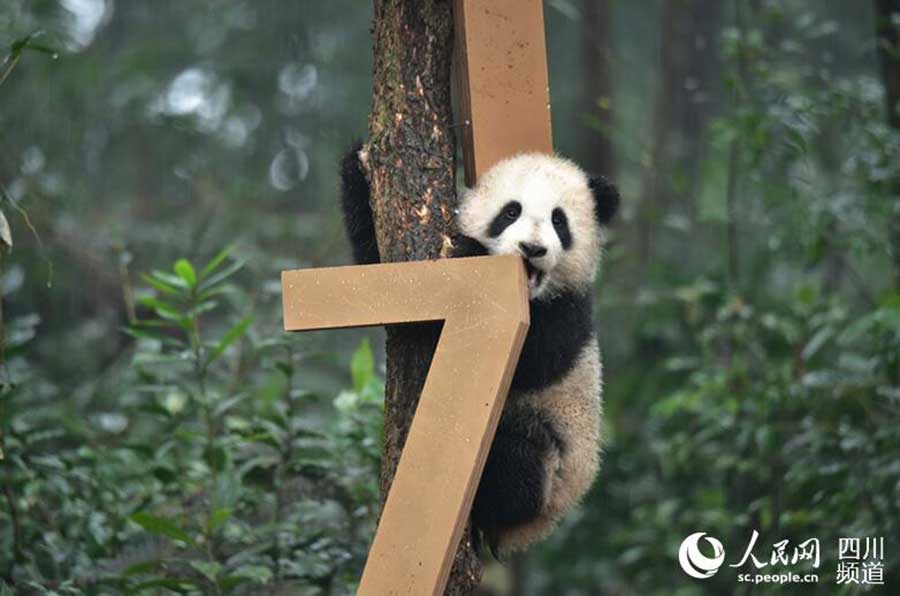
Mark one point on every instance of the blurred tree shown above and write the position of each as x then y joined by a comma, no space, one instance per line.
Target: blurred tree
411,166
597,53
685,101
887,14
888,24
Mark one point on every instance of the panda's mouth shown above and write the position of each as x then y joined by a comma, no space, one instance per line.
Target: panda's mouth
535,275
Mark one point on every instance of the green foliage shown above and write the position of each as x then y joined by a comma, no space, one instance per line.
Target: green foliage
18,47
214,472
756,387
748,307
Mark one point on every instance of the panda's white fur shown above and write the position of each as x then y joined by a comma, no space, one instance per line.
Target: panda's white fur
545,454
574,405
540,183
571,404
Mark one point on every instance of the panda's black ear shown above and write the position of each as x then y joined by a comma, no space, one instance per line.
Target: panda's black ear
606,198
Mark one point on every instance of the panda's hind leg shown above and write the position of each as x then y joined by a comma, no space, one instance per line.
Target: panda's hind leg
514,485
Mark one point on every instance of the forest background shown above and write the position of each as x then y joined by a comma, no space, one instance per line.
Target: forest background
161,163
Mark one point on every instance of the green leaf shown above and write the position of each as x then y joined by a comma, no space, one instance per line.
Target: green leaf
230,337
5,233
160,285
164,474
28,43
165,311
216,261
228,582
182,586
142,567
167,278
216,291
218,517
162,308
186,272
150,324
274,433
201,308
216,457
816,342
257,573
362,366
221,276
137,331
162,526
263,461
45,49
229,403
209,569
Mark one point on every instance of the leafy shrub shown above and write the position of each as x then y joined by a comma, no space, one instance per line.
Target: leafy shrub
216,472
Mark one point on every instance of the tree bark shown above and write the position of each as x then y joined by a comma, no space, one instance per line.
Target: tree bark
888,41
410,163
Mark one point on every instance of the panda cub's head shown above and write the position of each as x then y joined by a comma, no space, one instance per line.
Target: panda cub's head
547,210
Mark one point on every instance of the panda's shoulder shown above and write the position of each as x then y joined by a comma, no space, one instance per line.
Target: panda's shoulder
561,329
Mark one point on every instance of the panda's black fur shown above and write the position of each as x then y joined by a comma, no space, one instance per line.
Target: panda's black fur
358,219
539,426
560,327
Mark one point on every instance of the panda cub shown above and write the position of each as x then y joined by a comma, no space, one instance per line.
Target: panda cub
545,453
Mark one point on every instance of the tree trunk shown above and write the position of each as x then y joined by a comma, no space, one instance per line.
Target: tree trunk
685,100
411,168
654,196
695,95
596,48
888,48
888,41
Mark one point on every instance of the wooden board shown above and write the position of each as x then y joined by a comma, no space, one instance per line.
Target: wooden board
503,88
483,302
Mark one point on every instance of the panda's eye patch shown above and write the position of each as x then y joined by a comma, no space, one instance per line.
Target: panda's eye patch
505,218
561,225
512,210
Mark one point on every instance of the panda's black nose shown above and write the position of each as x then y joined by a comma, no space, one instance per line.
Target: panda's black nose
532,251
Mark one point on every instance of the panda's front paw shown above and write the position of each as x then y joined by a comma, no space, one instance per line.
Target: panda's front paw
466,246
487,540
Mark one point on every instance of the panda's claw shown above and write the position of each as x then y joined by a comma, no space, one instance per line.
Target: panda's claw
495,552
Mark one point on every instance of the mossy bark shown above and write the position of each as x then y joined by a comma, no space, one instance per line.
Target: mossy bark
409,159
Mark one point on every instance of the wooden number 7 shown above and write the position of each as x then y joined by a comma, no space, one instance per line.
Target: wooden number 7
483,302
